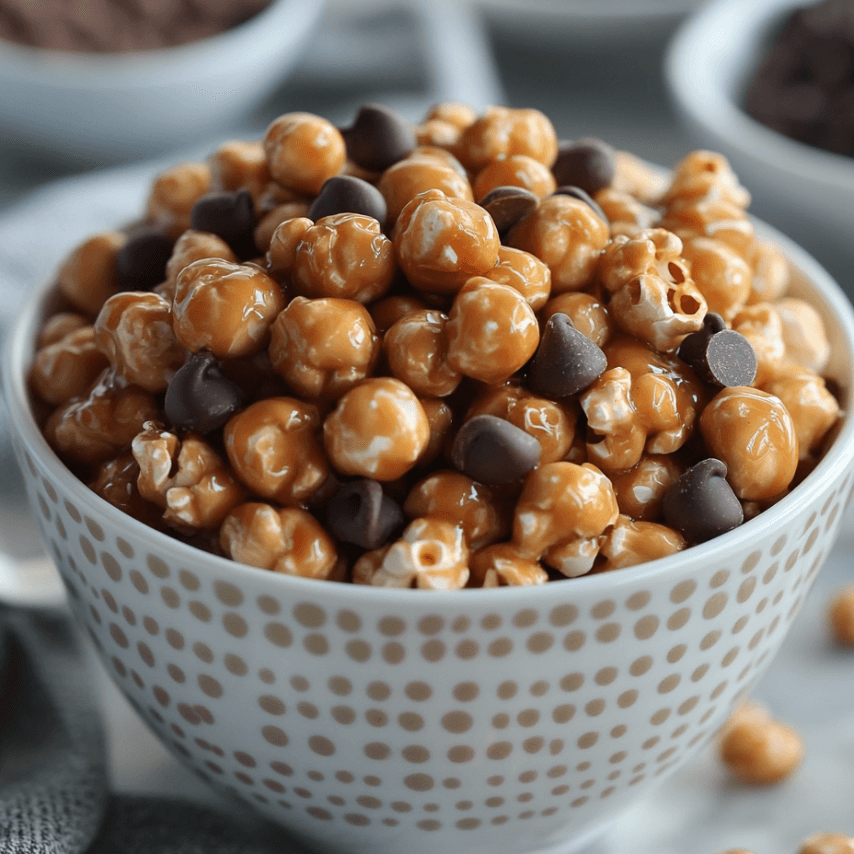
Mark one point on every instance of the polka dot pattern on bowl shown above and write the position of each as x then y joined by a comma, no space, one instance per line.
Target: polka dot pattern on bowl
330,710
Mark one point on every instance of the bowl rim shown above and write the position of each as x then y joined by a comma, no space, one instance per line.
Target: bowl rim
115,69
838,458
729,33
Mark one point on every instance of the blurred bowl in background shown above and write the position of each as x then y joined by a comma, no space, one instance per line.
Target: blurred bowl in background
803,190
97,108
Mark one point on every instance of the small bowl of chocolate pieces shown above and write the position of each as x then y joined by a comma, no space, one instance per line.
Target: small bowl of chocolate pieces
93,84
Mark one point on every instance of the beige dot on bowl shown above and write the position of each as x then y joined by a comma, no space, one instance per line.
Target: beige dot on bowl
340,685
714,605
137,579
410,721
321,745
646,627
278,634
274,735
602,610
393,652
563,615
309,615
209,685
525,618
344,715
467,648
377,750
431,624
415,753
376,717
563,713
587,740
678,619
157,566
540,642
316,644
271,704
574,640
608,633
491,622
235,665
170,597
500,647
507,690
118,636
627,698
203,652
391,626
88,549
460,624
358,650
499,750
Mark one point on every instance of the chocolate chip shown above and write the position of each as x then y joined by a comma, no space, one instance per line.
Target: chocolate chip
362,514
199,397
141,262
378,138
346,194
507,205
566,361
587,163
719,356
701,504
229,215
581,195
491,450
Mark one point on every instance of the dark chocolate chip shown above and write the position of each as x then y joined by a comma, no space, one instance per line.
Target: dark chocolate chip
199,397
582,195
229,215
507,205
378,138
566,361
362,514
346,194
141,262
719,356
491,450
701,504
587,163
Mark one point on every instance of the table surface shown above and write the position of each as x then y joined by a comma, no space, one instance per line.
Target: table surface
611,89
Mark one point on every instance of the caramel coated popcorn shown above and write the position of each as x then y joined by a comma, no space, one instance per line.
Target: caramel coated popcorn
461,353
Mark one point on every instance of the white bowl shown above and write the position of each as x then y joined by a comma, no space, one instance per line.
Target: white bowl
373,721
98,108
803,190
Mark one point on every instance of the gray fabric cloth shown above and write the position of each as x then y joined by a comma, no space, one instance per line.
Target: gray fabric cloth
54,787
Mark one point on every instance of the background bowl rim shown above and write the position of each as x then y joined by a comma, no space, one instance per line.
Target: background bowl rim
116,69
711,553
735,30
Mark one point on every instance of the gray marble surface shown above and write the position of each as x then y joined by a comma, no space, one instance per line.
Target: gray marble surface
382,51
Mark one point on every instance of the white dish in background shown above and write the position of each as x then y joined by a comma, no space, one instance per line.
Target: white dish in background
572,22
99,108
803,190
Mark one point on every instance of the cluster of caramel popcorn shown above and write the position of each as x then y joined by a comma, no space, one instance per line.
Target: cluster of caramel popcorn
817,843
454,354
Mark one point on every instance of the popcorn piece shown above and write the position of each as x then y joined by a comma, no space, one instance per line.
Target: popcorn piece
432,554
187,478
758,749
562,511
287,540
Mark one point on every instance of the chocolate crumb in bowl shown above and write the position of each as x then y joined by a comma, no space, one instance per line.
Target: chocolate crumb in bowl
587,163
361,513
199,397
566,361
230,216
378,138
141,262
701,504
720,356
348,194
507,205
491,450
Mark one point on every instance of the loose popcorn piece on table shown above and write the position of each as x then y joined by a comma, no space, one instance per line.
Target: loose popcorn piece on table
758,749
